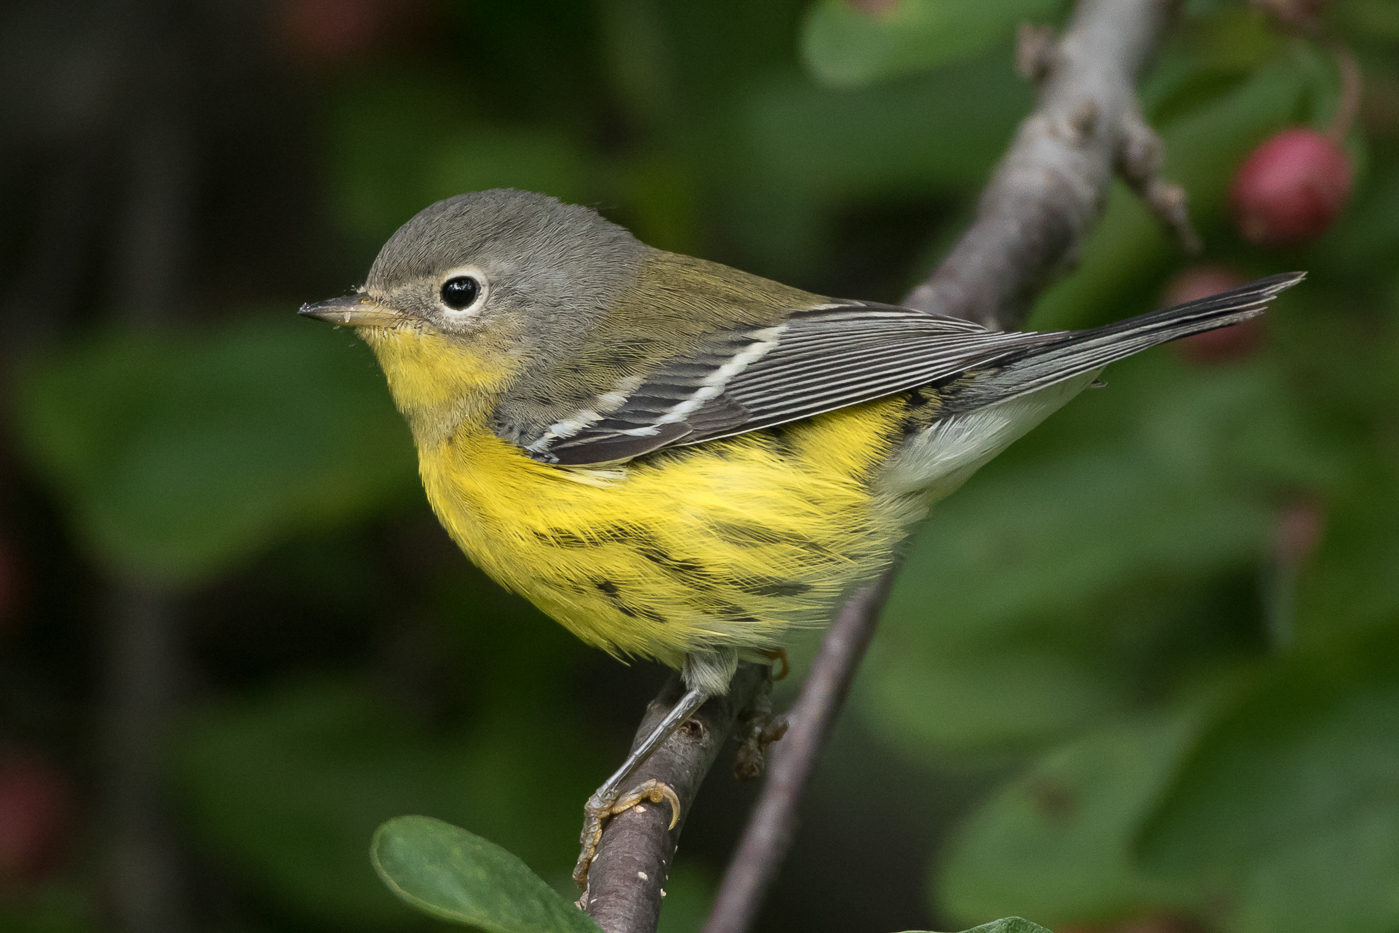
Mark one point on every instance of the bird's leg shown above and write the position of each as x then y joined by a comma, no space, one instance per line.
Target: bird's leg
761,728
609,799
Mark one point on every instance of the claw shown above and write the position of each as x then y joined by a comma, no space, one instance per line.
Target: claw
599,810
781,667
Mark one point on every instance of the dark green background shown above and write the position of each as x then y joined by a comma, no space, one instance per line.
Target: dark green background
1113,684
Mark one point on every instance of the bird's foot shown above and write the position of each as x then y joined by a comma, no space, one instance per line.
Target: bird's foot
602,806
781,666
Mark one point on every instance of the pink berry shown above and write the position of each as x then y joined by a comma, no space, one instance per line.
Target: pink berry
36,817
1200,282
1223,343
11,585
343,32
1299,530
1290,189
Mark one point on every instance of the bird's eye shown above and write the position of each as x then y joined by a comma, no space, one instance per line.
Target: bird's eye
460,292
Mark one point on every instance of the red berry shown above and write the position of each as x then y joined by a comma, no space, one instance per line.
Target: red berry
1200,282
1298,532
1290,189
1222,343
335,32
1294,13
36,816
11,589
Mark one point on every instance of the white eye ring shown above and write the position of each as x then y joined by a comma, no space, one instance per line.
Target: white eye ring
462,293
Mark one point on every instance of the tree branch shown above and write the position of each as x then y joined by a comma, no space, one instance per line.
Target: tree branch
626,881
1046,194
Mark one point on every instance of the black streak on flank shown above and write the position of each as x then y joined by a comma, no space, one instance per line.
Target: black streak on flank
922,408
723,609
773,587
691,570
614,595
751,534
695,573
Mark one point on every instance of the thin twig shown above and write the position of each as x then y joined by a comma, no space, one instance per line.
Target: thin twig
1139,160
1050,187
768,834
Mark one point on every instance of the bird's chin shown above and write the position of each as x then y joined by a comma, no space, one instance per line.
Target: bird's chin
392,333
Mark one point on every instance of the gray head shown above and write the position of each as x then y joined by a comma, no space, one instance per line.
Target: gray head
474,260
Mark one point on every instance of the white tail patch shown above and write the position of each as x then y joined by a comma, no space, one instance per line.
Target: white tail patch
936,461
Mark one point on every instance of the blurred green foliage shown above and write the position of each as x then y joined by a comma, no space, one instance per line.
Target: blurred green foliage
1138,696
849,45
181,455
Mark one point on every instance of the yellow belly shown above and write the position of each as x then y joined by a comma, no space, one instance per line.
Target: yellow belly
725,544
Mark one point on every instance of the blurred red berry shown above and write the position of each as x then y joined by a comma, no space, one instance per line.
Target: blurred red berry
1200,282
10,585
1290,189
331,32
1297,534
36,817
1223,343
1296,13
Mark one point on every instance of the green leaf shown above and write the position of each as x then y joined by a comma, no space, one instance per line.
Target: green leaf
1057,842
455,875
1347,584
1341,878
177,455
1007,925
437,148
1377,20
1314,744
56,906
846,47
785,121
1298,776
791,221
286,784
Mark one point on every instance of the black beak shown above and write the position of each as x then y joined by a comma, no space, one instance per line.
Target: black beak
355,310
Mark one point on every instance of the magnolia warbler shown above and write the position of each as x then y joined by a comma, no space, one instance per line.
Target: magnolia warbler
683,461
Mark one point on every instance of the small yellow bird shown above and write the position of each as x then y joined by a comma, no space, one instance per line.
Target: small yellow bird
679,460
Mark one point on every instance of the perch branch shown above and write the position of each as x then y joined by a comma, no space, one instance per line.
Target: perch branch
626,881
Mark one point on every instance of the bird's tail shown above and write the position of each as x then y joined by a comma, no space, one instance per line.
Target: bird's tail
1078,352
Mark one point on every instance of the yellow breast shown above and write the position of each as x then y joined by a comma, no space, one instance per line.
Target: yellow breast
725,544
728,543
